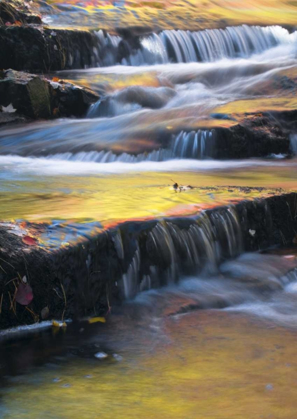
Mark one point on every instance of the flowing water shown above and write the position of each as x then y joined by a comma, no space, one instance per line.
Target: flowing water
218,343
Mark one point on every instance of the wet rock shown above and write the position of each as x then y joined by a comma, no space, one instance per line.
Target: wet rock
258,135
29,94
36,97
272,218
36,49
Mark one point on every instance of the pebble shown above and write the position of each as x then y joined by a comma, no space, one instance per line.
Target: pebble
269,387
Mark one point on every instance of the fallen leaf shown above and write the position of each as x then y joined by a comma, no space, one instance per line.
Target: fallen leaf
100,355
97,320
8,109
24,294
55,79
30,241
58,324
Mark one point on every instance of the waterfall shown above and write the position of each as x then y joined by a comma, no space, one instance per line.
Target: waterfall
169,249
208,45
180,46
195,144
186,145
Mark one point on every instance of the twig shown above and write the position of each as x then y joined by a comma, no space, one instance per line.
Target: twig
64,300
107,298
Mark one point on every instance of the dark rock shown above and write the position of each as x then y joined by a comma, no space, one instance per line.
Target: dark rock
35,49
36,97
29,94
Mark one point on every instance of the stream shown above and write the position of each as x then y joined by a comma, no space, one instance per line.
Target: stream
216,344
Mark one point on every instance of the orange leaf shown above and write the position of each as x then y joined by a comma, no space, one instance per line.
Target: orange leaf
30,241
56,79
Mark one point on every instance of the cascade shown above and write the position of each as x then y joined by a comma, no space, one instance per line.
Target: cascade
209,45
170,249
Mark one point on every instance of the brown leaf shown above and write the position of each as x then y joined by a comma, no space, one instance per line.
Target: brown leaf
24,294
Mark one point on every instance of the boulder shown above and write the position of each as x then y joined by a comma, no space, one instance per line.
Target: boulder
39,50
37,97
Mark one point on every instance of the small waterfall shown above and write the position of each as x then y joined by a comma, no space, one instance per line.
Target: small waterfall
179,46
170,249
208,45
186,145
106,52
194,145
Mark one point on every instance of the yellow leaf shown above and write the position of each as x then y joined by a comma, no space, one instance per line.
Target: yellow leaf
58,324
97,319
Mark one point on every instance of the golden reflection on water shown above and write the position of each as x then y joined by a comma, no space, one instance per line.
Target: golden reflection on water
181,14
114,198
210,364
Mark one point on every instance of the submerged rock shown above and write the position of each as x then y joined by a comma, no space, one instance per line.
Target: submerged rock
37,97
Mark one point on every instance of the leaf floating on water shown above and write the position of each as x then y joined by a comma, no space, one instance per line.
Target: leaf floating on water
252,232
97,320
100,355
30,241
24,294
58,324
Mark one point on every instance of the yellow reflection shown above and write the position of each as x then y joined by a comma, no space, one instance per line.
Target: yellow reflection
210,365
181,14
115,198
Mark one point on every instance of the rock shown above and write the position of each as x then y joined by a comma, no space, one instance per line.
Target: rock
36,97
35,49
70,100
29,94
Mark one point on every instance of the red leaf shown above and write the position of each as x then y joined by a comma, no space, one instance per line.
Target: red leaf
30,241
24,294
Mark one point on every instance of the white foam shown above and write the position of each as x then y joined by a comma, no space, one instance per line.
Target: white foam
18,166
